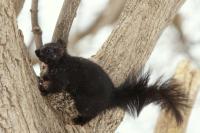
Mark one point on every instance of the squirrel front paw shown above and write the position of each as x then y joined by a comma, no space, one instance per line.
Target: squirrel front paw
43,85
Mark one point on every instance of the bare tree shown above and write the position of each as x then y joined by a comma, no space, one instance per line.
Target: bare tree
22,107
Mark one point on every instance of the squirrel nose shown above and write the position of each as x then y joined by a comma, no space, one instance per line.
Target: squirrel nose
37,52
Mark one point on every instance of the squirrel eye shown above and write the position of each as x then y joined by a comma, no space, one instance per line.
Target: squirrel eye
49,50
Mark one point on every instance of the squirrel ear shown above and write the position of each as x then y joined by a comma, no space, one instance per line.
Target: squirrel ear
60,41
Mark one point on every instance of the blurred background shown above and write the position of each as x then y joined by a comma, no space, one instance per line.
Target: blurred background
93,24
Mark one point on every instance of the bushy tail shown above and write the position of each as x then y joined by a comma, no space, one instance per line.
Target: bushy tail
135,93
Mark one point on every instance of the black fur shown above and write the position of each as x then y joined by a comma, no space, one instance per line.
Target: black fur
93,91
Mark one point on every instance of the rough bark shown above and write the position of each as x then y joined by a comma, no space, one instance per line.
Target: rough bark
189,76
22,109
126,50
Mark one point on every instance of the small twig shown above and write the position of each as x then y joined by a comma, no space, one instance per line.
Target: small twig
64,22
35,26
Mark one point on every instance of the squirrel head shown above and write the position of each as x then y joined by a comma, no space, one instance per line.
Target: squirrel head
51,52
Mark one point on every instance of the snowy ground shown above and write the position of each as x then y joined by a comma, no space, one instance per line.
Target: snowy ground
163,60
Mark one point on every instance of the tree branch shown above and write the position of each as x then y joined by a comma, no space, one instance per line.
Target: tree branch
189,76
35,26
135,35
65,19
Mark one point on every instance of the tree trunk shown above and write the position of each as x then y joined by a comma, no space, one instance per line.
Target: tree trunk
129,46
22,109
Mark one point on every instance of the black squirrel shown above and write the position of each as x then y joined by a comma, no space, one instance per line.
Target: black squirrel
93,91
